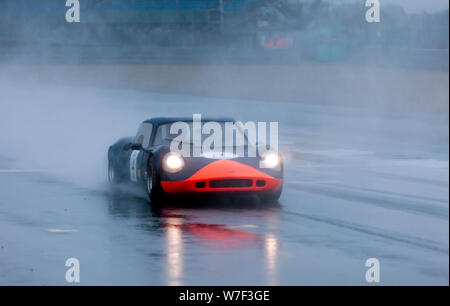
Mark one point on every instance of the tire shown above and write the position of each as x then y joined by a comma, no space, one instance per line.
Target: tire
272,197
153,184
113,174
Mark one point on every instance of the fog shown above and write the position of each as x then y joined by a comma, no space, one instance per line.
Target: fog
68,91
418,6
363,117
65,130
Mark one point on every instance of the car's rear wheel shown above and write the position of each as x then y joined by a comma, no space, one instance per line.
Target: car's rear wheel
153,183
113,175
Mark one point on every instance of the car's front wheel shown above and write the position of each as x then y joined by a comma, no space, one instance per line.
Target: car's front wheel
154,189
271,197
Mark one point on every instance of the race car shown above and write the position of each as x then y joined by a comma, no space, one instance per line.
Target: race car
148,160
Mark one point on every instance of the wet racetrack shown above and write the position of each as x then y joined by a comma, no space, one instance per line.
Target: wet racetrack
359,183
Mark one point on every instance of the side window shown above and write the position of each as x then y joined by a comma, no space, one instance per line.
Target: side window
161,135
144,133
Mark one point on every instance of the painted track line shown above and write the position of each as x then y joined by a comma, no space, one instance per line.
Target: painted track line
20,170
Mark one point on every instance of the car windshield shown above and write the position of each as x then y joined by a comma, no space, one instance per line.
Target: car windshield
164,137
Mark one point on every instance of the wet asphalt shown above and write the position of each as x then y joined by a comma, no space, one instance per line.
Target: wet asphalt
359,184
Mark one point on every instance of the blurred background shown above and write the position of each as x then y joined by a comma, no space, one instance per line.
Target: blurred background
411,33
275,50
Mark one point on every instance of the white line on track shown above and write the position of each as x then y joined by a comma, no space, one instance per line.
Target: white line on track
58,230
19,170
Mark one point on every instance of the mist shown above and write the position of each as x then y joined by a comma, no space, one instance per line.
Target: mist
363,118
68,91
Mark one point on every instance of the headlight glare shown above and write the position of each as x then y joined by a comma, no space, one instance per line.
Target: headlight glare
270,160
173,162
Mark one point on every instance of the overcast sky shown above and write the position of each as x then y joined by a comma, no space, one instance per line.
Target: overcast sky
416,6
412,6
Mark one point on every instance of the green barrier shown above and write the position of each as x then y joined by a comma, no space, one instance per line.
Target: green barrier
331,51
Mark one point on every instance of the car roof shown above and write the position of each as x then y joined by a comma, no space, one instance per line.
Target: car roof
165,120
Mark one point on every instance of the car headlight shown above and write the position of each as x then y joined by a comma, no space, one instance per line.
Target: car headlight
270,159
173,162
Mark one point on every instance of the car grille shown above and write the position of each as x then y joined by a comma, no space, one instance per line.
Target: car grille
230,183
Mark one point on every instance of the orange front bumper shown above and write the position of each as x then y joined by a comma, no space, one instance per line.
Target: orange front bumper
224,176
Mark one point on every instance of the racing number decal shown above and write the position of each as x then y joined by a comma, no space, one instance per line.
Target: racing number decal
133,161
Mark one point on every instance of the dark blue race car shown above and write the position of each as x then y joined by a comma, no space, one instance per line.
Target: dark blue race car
146,160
